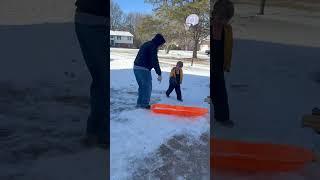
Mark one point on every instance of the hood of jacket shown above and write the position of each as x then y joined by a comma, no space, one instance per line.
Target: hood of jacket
158,40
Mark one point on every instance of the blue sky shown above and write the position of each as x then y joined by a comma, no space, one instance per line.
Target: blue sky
128,6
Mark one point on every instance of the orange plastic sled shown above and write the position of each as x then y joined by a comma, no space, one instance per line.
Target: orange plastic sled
257,157
186,111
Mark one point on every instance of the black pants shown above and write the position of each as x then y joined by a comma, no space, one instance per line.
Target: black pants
93,43
218,91
176,87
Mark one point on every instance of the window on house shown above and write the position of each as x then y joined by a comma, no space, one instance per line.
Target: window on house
129,38
118,37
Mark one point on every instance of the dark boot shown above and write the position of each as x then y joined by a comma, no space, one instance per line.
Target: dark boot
144,107
178,92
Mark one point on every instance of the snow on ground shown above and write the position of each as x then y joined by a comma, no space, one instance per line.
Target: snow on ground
137,134
273,83
200,67
44,100
172,53
44,105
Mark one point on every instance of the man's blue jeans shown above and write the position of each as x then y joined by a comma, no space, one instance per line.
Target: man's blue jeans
93,43
144,80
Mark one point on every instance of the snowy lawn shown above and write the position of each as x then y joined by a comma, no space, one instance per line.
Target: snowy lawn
141,140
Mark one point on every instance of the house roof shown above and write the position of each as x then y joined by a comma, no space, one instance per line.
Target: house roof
120,33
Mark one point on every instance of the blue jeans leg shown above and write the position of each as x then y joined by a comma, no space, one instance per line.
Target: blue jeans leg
149,88
139,81
93,43
144,81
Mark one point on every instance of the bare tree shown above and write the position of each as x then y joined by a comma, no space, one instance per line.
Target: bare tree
131,23
177,11
116,16
262,5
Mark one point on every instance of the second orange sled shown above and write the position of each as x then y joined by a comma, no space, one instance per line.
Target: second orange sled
257,157
186,111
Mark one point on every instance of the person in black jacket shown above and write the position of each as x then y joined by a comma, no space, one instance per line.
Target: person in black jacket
147,58
223,11
91,30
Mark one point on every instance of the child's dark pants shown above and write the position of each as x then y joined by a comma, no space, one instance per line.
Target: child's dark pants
218,90
176,87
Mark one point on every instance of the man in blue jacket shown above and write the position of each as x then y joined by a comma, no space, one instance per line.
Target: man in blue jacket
147,59
91,30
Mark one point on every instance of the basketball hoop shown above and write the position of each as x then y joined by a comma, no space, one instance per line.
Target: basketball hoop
191,20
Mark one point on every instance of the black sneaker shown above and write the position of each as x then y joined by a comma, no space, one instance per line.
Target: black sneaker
180,100
228,124
145,107
167,95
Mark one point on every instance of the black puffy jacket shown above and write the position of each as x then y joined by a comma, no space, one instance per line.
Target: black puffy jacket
95,7
148,54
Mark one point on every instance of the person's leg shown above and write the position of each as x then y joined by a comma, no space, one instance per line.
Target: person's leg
213,92
102,95
145,87
82,34
178,92
224,100
216,71
139,78
218,87
147,82
93,43
170,89
220,102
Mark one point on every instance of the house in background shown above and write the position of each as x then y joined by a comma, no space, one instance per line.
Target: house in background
205,44
122,39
